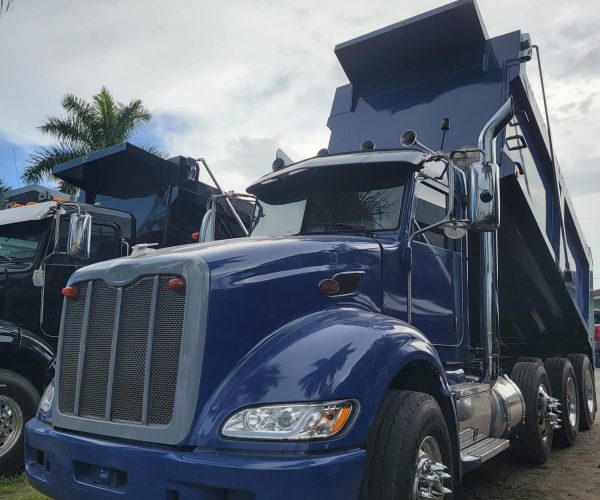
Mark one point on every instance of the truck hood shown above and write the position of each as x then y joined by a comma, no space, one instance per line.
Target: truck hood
258,285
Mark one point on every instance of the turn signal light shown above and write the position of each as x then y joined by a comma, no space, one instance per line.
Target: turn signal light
71,292
177,285
196,236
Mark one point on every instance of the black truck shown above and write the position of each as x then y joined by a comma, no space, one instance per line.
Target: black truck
129,200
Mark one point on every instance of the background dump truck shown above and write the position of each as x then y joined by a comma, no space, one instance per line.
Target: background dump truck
397,317
128,196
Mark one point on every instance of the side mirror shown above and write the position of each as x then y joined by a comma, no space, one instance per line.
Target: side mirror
484,197
207,228
80,236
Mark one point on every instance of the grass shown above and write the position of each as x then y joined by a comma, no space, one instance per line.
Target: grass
17,487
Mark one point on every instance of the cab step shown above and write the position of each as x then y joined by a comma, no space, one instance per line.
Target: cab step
484,449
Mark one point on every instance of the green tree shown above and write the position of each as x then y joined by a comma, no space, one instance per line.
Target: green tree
87,127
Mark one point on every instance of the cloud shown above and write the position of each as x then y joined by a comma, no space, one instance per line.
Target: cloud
232,81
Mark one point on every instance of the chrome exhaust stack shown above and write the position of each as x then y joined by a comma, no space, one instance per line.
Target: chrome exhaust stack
484,216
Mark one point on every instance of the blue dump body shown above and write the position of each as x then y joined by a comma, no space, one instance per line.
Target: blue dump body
156,387
443,64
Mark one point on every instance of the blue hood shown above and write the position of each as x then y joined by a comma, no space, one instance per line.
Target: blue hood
258,285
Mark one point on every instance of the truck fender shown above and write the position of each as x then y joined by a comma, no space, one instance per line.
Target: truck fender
26,353
341,353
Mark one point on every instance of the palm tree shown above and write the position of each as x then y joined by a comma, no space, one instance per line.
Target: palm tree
3,186
86,128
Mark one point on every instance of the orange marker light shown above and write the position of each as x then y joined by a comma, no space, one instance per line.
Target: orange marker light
343,417
177,285
71,292
196,236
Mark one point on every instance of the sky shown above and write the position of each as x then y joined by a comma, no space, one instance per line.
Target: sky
233,81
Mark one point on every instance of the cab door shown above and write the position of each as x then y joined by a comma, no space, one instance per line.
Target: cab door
437,270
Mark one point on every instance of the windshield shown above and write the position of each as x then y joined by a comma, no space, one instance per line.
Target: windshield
356,198
20,241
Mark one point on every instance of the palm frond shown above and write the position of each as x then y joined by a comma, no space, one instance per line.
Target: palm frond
155,151
5,5
4,186
41,163
130,118
68,130
107,115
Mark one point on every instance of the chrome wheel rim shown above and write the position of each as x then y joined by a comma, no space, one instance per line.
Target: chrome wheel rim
429,471
571,401
589,390
11,424
543,427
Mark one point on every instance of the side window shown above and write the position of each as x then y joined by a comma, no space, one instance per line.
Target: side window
104,243
431,208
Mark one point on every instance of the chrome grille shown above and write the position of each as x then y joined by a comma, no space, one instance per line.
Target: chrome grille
120,352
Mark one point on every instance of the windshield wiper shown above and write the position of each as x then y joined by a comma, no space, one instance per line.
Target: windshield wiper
10,259
348,227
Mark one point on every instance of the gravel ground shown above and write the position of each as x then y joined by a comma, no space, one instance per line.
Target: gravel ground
572,473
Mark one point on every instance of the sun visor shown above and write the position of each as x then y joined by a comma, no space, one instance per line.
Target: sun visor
122,171
35,211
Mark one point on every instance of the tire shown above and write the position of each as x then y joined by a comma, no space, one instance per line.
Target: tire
18,398
583,368
563,382
405,422
534,441
530,359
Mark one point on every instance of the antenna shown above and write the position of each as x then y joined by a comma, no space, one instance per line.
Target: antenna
445,128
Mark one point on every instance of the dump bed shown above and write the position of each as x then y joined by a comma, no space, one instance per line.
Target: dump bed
443,64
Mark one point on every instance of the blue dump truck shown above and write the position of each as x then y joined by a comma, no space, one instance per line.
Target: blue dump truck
400,313
128,197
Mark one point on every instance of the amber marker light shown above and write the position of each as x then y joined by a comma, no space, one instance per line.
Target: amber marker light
177,285
70,292
341,420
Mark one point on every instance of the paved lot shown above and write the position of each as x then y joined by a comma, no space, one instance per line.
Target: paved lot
572,473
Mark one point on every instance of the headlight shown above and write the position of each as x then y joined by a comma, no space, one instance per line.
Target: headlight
291,421
47,397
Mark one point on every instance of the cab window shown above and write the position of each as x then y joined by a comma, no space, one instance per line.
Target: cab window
431,208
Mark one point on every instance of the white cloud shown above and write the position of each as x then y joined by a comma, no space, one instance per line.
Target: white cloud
234,80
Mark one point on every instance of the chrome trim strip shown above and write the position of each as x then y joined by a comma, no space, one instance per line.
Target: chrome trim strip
113,354
149,341
82,344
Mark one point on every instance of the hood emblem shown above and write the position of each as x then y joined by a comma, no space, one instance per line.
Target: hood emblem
329,286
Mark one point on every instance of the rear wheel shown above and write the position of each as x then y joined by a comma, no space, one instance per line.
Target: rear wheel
18,404
409,455
564,388
587,389
534,440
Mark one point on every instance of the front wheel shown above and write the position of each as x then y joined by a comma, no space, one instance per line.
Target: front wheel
409,454
18,404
